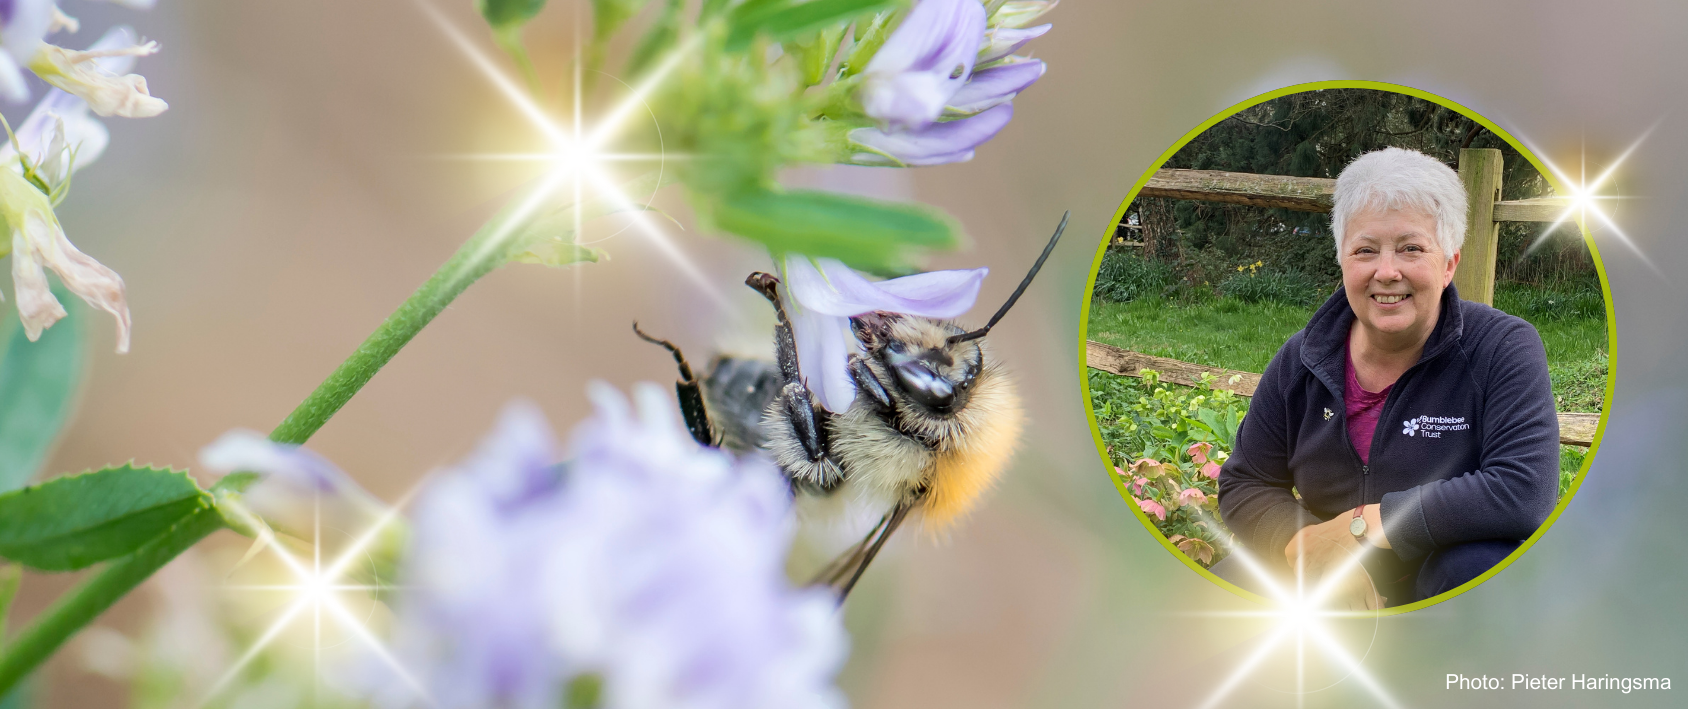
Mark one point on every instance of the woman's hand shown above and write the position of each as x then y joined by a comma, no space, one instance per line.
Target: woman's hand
1327,548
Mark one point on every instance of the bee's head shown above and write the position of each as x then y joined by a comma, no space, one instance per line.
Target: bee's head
935,364
925,366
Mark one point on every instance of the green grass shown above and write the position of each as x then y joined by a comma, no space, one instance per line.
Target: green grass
1229,333
1224,333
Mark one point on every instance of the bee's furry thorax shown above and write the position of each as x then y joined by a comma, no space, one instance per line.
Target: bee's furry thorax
942,459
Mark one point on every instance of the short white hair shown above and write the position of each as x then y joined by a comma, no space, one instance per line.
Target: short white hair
1393,178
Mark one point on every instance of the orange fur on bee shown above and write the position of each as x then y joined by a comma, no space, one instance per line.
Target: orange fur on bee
970,466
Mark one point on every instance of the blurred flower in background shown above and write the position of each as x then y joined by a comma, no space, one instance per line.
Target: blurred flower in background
646,571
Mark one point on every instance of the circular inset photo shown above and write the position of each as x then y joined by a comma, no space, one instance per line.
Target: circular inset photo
1349,345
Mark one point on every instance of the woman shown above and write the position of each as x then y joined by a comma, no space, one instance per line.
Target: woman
1405,441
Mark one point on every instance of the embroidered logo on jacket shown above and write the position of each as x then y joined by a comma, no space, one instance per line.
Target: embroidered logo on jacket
1328,414
1433,426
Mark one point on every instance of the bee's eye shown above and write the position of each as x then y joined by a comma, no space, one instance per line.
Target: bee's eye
897,347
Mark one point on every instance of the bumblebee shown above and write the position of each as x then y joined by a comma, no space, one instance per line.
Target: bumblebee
934,421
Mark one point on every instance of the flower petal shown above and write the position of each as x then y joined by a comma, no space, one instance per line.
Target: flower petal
107,94
99,286
1019,13
1003,41
13,86
37,308
937,144
515,462
24,26
83,133
837,289
250,451
994,87
824,345
923,63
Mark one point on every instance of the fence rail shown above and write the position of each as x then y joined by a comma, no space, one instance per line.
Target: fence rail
1479,170
1575,429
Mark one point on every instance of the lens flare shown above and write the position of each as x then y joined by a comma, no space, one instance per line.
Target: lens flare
579,154
1300,616
1583,198
315,592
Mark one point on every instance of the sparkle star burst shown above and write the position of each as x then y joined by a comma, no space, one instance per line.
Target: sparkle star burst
315,591
580,155
1299,616
1583,198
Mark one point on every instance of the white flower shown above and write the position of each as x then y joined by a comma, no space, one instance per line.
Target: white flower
83,134
38,241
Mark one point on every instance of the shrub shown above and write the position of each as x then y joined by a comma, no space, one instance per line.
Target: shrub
1125,276
1166,443
1250,285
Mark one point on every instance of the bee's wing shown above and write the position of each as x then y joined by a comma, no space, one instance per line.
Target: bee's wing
738,390
845,570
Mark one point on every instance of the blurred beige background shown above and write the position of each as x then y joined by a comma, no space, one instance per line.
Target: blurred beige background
293,195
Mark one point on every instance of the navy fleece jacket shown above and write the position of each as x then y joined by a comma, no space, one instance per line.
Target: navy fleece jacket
1467,447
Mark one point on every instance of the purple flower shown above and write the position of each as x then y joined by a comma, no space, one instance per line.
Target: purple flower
941,84
923,63
295,480
994,86
825,294
937,144
646,562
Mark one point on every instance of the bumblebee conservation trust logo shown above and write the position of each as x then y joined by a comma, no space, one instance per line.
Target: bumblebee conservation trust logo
1433,426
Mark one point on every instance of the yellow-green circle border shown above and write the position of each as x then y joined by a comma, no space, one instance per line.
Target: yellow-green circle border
1552,180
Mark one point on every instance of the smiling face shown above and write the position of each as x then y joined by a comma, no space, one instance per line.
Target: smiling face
1394,271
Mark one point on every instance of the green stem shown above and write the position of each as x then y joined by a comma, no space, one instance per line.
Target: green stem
498,240
488,249
92,597
509,38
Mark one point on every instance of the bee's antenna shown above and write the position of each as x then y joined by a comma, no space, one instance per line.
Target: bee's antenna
976,334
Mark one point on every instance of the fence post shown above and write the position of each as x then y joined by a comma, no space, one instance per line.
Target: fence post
1480,170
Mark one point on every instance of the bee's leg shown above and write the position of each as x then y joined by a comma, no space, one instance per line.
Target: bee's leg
807,422
688,390
888,526
868,382
846,562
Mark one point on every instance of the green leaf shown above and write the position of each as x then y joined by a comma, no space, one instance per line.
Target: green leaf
609,15
76,521
11,575
781,20
504,13
556,252
814,53
38,383
865,233
20,696
868,40
661,36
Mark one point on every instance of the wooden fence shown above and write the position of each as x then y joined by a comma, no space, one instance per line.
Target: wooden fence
1575,429
1479,169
